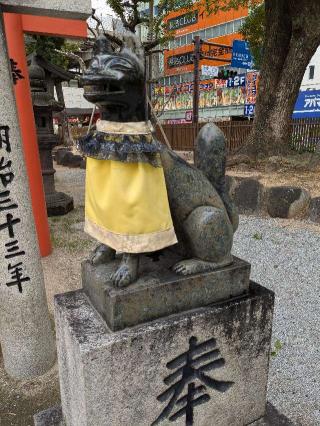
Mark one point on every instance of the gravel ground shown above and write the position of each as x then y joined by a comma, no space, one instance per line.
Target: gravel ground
285,257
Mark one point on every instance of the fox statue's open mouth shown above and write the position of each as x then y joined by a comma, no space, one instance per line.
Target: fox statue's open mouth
99,88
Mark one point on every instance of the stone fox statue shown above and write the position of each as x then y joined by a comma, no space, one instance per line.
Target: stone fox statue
176,206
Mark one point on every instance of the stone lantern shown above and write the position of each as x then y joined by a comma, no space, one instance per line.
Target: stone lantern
44,105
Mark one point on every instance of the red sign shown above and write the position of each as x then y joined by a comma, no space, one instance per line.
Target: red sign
252,79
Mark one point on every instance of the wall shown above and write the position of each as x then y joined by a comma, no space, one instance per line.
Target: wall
312,84
198,22
73,97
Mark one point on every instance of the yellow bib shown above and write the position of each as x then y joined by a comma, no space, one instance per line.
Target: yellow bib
126,206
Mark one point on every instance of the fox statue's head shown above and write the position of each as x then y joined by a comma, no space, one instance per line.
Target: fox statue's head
115,81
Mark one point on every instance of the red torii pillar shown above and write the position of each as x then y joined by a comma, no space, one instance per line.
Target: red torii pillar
15,26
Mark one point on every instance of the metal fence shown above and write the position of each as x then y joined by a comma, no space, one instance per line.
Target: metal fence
305,134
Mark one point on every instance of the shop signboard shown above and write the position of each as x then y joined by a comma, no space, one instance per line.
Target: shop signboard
180,60
241,56
182,21
251,86
237,80
307,104
209,70
212,93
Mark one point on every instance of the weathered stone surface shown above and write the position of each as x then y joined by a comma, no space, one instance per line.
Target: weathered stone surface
80,9
247,195
180,178
287,201
27,342
234,160
159,291
59,154
230,184
115,378
59,203
314,214
51,417
71,160
271,418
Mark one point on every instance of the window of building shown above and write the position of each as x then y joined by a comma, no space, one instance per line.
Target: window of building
208,33
237,24
223,29
186,77
214,32
229,27
311,72
202,34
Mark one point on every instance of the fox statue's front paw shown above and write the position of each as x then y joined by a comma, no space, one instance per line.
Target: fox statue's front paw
195,266
127,271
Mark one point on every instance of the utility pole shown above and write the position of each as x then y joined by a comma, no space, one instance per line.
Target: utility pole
196,78
150,58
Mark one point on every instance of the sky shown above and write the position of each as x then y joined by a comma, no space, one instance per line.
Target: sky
101,7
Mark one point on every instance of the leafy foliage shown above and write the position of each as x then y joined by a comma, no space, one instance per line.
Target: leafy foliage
278,345
214,6
257,236
47,46
135,12
253,30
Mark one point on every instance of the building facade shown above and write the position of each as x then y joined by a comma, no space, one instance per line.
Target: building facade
308,102
173,92
311,78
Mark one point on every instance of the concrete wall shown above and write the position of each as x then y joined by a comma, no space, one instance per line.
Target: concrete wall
73,97
312,84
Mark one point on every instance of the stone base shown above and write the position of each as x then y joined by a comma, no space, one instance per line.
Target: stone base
51,417
58,204
208,366
160,292
54,417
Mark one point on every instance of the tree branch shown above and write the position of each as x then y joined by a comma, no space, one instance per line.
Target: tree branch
73,56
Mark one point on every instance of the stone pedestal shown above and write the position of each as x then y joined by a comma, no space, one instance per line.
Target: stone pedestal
159,292
201,367
52,417
165,350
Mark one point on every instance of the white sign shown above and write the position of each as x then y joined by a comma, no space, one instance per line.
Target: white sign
209,71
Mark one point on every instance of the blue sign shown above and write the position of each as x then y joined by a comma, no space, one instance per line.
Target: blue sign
249,109
236,81
307,104
241,56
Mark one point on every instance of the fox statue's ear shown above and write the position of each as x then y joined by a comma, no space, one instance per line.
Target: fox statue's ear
102,45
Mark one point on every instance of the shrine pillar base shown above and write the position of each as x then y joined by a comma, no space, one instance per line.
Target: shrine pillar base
210,362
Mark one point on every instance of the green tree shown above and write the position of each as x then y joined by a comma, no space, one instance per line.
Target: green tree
292,35
132,13
253,30
49,47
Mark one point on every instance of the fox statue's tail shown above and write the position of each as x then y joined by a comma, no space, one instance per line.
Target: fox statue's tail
211,160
